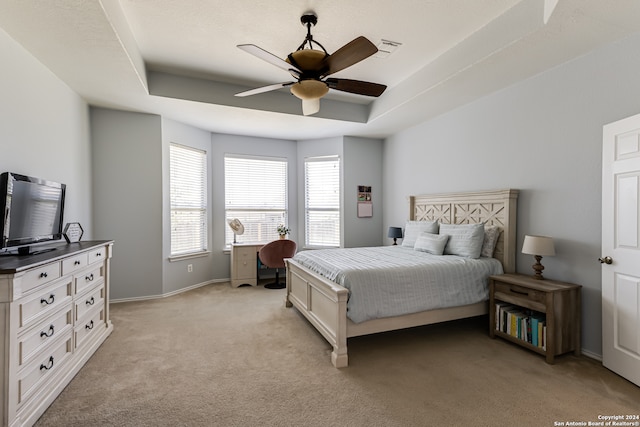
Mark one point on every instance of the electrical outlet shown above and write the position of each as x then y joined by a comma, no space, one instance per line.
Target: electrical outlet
190,268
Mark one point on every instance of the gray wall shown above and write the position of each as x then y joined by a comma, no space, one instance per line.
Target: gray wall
127,198
234,144
44,129
317,148
174,274
542,136
362,166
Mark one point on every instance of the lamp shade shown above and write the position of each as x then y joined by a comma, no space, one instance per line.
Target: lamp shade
538,245
395,232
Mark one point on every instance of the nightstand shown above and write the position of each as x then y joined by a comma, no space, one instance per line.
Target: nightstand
541,315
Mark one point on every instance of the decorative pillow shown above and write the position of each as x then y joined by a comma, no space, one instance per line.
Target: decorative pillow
464,239
431,243
413,228
491,233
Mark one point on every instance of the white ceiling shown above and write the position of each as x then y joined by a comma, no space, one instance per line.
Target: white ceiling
178,58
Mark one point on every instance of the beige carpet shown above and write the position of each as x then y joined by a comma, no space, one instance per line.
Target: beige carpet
218,356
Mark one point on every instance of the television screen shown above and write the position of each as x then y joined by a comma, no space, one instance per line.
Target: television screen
32,210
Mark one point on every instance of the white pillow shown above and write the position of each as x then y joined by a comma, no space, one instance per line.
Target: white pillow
431,243
491,234
413,228
464,239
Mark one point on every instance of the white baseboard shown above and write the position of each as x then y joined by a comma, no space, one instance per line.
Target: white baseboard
591,355
169,294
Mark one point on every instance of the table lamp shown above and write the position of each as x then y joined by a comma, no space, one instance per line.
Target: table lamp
538,246
395,233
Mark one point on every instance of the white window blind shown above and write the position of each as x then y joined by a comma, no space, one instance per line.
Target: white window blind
188,193
255,193
322,201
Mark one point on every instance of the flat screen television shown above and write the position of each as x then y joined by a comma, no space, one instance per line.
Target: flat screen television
32,213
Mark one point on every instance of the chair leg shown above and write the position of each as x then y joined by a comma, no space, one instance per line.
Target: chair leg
276,284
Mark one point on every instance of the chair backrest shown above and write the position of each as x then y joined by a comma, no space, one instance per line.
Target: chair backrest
273,253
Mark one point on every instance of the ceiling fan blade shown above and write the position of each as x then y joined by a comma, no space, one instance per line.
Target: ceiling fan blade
356,86
353,52
267,56
310,106
263,89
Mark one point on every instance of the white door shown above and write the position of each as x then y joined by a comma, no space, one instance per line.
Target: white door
621,248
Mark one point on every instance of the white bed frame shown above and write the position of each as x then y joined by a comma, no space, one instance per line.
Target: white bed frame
324,303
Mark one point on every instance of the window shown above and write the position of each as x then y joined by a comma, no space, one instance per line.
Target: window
322,201
255,192
188,193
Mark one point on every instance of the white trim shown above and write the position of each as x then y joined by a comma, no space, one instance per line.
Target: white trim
591,355
174,258
170,294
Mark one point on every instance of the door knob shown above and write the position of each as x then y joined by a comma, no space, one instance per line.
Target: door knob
606,260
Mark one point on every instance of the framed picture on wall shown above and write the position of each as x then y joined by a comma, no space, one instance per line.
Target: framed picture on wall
365,205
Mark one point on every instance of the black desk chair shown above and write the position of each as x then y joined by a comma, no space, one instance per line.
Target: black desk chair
273,254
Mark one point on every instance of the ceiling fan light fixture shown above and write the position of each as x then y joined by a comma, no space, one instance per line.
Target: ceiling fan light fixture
309,89
309,60
310,67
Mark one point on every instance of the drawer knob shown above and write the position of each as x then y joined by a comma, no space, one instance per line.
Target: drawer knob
77,262
48,366
89,325
99,254
91,301
51,299
43,275
49,333
89,278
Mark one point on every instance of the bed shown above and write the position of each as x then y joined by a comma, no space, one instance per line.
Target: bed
324,303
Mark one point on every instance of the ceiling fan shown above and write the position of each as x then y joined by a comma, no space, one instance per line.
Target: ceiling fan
310,68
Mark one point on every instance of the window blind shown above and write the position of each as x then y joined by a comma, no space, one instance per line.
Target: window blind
256,194
188,194
322,201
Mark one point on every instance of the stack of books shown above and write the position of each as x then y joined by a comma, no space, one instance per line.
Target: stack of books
521,323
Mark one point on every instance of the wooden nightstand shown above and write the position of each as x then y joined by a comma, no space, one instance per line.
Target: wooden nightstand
541,315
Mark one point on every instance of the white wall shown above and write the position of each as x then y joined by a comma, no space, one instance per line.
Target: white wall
44,129
543,137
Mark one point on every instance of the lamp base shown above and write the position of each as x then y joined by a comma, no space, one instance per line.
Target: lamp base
537,267
395,242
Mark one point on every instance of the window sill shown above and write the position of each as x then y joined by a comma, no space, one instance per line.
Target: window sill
174,258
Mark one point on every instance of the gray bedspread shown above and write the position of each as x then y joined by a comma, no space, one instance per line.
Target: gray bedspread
394,280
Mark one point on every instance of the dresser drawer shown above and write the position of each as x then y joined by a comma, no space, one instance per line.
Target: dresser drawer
43,367
88,301
73,264
515,291
46,332
35,307
245,262
40,276
87,327
97,255
88,279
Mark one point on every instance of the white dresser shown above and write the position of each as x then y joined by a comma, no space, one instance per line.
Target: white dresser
54,314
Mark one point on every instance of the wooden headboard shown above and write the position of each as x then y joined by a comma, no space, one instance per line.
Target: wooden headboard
497,207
